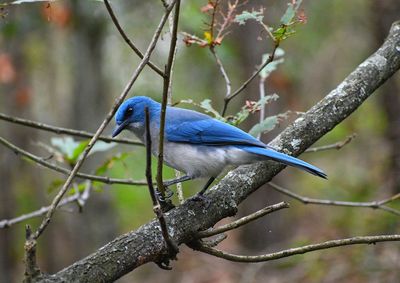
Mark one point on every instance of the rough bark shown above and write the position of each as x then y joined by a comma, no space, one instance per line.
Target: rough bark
146,244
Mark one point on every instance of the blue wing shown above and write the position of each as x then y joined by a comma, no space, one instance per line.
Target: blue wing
188,126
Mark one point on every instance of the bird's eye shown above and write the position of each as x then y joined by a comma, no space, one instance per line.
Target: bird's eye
129,112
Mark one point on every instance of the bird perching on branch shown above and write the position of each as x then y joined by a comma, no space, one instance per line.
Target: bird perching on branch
197,144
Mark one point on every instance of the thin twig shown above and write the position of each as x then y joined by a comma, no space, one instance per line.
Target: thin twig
243,221
108,118
222,70
128,41
166,85
228,19
337,145
173,248
295,251
248,81
370,204
60,130
65,171
261,88
79,198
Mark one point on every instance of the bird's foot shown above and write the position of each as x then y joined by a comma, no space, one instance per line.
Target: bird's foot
167,194
165,200
201,198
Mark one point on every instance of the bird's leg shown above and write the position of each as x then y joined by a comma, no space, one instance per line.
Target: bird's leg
168,192
176,181
203,190
200,195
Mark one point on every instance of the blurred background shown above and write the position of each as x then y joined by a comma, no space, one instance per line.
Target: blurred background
64,64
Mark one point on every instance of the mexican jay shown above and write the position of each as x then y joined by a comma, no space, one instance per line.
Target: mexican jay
197,144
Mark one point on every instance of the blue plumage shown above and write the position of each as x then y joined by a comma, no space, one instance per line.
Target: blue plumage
197,144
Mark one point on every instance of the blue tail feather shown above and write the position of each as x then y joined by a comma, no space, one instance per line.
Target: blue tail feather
285,159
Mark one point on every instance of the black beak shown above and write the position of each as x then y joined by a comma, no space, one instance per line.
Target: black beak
120,128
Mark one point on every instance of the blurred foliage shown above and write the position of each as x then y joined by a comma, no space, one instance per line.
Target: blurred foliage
37,74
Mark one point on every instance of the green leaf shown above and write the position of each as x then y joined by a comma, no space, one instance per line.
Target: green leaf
206,105
289,15
71,149
283,32
77,151
246,15
290,12
244,113
66,145
108,164
268,124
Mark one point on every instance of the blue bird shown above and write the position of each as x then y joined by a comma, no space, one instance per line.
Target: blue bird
197,144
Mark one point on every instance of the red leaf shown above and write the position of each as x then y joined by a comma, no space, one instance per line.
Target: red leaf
58,13
7,69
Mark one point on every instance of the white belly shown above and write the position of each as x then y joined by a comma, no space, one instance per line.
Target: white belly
203,161
198,160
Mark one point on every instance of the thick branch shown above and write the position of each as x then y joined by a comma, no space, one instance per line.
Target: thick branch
136,248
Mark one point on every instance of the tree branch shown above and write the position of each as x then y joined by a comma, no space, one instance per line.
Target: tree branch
108,118
79,198
222,70
173,248
144,245
337,145
128,41
300,250
228,98
243,221
166,87
370,204
43,162
60,130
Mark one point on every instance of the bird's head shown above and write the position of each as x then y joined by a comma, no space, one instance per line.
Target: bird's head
131,113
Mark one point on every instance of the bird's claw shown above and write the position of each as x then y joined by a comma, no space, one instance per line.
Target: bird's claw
201,198
167,195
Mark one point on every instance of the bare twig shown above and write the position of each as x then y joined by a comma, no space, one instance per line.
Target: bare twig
222,70
128,41
79,198
295,251
261,88
60,130
337,145
227,99
65,171
243,221
228,19
108,118
172,247
372,204
166,86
